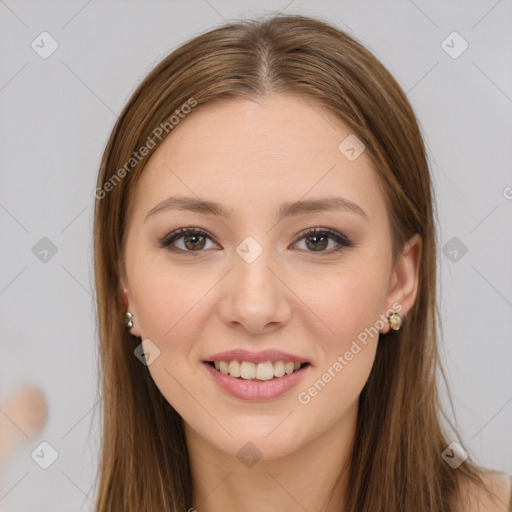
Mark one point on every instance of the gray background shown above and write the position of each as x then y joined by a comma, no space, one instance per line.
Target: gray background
56,114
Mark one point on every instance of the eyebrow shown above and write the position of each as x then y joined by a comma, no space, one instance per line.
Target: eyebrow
289,209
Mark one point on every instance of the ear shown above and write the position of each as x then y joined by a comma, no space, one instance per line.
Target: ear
128,304
403,284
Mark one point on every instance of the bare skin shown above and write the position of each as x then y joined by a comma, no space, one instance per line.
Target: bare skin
22,417
26,409
203,298
252,157
291,298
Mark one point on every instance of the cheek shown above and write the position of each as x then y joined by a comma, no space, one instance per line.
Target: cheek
170,303
349,302
349,310
167,297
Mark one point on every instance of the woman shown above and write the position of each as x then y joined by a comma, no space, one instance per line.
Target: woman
266,280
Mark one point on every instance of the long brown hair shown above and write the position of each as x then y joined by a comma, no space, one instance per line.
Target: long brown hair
399,437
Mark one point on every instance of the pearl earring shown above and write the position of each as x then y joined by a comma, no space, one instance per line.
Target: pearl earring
129,323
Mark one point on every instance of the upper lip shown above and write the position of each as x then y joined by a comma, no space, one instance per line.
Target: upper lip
256,357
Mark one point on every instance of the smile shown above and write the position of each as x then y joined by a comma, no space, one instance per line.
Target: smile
250,387
248,370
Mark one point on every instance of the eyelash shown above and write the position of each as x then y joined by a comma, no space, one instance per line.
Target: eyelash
339,238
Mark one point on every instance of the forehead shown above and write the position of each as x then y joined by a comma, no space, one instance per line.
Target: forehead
280,148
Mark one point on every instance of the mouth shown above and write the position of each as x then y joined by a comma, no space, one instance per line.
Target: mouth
263,371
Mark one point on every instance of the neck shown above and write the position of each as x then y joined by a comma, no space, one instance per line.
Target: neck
312,477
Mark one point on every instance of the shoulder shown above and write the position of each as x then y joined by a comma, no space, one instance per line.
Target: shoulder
473,498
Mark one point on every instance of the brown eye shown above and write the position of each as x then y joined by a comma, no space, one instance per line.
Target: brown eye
317,240
194,240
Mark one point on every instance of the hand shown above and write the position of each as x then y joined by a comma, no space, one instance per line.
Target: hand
22,417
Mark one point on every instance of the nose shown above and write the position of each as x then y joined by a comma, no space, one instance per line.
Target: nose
255,296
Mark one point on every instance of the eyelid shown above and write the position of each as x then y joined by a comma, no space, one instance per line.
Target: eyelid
178,233
341,239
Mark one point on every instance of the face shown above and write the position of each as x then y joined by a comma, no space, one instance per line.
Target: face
255,276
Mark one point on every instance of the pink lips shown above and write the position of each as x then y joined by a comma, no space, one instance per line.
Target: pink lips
256,357
253,389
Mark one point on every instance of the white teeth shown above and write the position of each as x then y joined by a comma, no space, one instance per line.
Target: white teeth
247,370
279,369
234,369
260,371
223,367
265,371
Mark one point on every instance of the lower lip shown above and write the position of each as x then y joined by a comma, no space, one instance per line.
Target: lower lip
257,389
